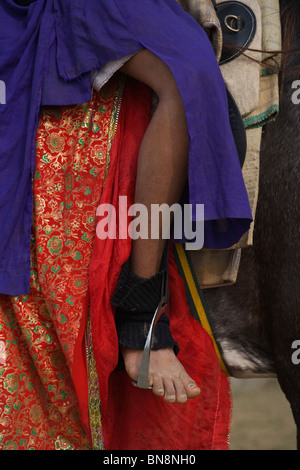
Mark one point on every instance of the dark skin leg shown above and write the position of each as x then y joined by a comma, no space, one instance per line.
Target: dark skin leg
161,176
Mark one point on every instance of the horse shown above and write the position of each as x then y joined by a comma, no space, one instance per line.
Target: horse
256,321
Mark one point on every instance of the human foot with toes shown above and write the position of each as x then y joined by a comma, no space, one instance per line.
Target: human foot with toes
167,376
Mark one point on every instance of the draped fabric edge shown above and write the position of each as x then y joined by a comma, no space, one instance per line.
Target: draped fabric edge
101,337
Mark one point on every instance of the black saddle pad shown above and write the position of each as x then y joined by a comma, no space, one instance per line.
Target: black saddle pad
237,127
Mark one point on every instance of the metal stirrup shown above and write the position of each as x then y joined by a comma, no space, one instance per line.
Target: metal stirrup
162,307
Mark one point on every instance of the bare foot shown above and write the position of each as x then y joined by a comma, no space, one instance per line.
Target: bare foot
167,376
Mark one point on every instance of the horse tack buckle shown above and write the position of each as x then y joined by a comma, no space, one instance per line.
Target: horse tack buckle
233,23
238,23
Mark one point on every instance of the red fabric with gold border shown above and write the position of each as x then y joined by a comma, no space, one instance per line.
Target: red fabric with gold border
59,388
133,418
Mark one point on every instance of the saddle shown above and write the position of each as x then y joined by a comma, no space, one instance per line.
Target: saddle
239,31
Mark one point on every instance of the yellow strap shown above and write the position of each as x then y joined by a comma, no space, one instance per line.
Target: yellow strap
197,300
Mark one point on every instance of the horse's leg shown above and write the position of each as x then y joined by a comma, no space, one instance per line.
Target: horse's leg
237,323
277,245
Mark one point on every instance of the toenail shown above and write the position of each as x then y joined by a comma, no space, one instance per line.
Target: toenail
192,385
170,397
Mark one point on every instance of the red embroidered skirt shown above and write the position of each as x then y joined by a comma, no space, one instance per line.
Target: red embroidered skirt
58,385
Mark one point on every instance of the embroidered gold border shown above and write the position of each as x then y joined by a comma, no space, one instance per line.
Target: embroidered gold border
93,381
93,392
114,118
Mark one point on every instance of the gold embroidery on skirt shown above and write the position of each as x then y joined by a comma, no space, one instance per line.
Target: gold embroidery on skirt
93,383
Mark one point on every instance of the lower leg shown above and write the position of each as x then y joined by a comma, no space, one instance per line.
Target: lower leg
161,176
163,157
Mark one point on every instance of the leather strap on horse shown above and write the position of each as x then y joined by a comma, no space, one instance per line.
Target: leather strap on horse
238,23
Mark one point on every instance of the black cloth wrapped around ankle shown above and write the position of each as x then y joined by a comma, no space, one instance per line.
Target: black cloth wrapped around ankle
136,300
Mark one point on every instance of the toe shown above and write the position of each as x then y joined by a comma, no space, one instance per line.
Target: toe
181,396
158,386
169,388
191,388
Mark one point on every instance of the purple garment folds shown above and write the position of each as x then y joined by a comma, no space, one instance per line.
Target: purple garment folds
48,51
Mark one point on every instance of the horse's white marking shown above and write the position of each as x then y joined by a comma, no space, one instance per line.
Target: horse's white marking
243,366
